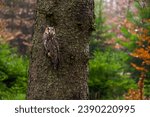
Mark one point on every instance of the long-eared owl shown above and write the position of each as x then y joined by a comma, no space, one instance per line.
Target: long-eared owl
51,46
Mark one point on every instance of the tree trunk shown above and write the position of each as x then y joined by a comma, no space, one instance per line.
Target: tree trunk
73,21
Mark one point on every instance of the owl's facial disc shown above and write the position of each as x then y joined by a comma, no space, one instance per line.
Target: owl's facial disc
51,30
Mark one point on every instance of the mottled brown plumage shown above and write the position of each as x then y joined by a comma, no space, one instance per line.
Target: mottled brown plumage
51,46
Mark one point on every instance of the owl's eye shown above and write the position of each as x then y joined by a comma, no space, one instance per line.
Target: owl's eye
49,28
53,29
46,33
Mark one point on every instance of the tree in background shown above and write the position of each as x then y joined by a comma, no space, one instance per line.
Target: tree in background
100,35
73,21
108,78
139,31
17,18
13,73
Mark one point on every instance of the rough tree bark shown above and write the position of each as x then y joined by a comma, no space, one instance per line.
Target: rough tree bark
73,21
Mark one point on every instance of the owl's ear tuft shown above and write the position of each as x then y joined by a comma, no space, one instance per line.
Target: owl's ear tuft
53,29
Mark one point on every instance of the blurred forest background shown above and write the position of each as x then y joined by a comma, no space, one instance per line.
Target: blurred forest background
119,65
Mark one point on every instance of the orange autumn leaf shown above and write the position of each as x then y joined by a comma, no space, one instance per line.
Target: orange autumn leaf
138,68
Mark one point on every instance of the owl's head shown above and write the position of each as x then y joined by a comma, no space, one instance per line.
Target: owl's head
50,31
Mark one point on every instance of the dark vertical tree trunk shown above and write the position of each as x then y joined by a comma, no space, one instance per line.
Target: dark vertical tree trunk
73,21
